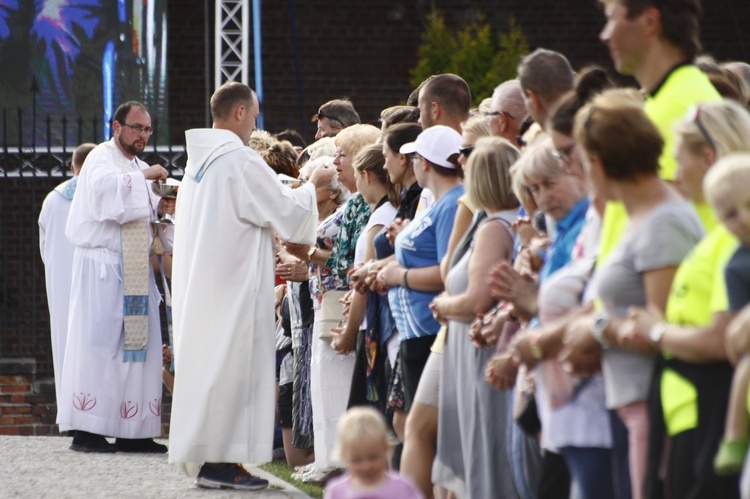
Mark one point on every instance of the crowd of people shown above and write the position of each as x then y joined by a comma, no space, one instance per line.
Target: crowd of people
541,297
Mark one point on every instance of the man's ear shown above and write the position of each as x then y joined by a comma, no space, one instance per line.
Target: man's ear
436,111
239,112
650,21
504,122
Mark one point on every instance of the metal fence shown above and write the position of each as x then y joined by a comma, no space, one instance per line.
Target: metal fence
34,160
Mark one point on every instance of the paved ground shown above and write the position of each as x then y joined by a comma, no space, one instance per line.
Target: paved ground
43,467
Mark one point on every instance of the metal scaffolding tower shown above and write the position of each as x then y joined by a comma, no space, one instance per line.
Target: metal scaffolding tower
231,41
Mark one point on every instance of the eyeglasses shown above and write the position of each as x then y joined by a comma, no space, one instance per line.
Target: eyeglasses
564,153
139,129
490,114
466,151
695,117
321,114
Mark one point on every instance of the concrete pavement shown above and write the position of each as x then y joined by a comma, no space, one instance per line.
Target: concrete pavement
44,467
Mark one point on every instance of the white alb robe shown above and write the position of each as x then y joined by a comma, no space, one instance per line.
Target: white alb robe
222,300
57,256
101,393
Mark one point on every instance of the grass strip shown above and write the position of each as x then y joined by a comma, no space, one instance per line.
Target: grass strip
281,470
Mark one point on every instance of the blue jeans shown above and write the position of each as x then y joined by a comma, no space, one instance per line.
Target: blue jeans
591,471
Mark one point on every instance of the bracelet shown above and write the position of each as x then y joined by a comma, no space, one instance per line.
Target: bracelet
406,282
536,348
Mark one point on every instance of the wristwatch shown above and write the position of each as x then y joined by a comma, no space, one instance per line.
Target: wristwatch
601,321
657,332
311,252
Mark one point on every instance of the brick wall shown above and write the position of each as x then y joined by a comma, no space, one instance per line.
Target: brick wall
27,406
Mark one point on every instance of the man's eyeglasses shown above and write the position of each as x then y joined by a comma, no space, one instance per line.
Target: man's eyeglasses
490,114
466,151
139,129
564,153
695,117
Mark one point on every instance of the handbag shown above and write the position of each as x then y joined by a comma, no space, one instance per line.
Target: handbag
331,314
524,404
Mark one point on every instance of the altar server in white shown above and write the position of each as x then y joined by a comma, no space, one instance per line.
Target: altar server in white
57,256
229,205
111,382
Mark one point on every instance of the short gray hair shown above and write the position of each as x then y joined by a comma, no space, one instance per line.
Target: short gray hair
510,97
307,170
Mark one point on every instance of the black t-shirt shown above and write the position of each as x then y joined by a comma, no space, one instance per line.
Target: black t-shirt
737,277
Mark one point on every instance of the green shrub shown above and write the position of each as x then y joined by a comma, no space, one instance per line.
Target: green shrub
481,56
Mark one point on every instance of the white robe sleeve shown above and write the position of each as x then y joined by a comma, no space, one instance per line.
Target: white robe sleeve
266,202
113,195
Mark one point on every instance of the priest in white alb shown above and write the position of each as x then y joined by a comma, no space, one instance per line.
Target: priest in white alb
111,380
57,256
229,205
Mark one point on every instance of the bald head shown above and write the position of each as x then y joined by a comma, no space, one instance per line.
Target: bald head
507,110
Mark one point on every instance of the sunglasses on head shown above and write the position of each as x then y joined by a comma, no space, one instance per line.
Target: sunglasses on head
321,114
466,151
694,117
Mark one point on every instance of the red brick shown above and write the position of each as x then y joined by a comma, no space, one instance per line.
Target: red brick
8,430
40,399
16,409
6,420
17,398
26,430
24,420
22,388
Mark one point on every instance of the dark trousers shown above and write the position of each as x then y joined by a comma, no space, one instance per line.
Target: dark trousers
413,355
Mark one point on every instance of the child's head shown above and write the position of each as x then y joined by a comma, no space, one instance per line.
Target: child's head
725,188
363,444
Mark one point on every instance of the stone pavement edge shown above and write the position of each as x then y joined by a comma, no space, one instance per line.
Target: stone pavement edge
44,467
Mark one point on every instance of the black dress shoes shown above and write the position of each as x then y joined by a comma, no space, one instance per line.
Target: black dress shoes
91,442
139,445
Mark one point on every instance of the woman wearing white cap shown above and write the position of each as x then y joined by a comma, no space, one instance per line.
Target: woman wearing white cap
414,280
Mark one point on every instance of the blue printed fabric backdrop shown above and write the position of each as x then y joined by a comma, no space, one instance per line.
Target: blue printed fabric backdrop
79,58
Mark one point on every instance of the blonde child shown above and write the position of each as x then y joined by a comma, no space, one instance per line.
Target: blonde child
364,447
726,189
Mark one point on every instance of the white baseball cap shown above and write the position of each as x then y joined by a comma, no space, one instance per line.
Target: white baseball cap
436,144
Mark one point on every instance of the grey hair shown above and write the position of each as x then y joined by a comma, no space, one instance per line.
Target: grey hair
307,170
510,97
322,147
